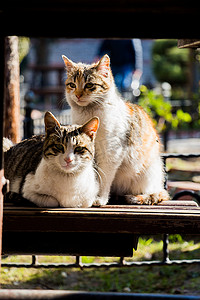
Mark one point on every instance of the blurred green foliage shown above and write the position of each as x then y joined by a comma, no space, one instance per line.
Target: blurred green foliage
169,62
161,110
23,47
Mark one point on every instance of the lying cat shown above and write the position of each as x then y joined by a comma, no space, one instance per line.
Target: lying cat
56,169
127,145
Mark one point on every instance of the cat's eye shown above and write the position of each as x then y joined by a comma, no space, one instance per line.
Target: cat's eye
89,85
59,147
78,149
72,85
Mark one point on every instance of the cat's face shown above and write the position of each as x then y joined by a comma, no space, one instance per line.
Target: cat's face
87,84
70,147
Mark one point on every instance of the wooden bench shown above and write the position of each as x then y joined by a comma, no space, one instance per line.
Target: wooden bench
110,230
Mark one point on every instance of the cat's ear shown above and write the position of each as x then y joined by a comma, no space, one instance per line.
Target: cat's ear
51,123
68,63
91,127
103,66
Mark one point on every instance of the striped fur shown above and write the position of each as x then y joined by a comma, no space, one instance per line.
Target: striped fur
127,145
56,169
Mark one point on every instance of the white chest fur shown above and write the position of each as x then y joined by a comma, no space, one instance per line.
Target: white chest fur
78,190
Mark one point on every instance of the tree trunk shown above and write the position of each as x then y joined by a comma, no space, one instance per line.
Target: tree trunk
12,97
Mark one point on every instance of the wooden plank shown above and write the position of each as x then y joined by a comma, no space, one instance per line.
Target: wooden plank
12,95
1,211
168,6
140,224
150,209
2,66
165,18
189,43
102,210
166,204
175,207
103,220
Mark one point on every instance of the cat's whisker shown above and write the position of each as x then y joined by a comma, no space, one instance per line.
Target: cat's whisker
101,171
98,101
99,176
62,102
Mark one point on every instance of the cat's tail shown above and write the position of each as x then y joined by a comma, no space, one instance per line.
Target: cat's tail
7,144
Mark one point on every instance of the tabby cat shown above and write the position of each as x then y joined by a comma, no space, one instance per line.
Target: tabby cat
127,145
55,169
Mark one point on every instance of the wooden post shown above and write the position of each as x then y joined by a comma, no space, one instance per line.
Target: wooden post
1,134
12,96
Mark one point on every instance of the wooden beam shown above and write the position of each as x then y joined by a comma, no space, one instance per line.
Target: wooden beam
1,134
101,18
12,95
189,43
167,217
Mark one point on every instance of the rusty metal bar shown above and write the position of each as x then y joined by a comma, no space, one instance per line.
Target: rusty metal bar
177,155
187,193
165,156
165,248
119,264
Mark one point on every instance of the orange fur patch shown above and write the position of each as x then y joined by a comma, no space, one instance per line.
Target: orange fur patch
130,108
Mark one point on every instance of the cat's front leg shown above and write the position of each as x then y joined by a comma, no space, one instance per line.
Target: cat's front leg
107,172
101,200
109,158
35,191
41,200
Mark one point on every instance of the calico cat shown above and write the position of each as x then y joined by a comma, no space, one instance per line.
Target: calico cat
55,169
127,145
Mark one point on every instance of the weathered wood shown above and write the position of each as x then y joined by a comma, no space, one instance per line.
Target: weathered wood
133,18
189,43
12,96
1,211
1,133
110,230
165,218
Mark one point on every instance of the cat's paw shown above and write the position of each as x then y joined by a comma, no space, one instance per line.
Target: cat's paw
52,202
100,201
148,199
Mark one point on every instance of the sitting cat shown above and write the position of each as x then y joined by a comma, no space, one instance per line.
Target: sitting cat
56,169
127,149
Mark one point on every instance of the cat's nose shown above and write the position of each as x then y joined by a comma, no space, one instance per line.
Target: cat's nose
68,159
78,96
